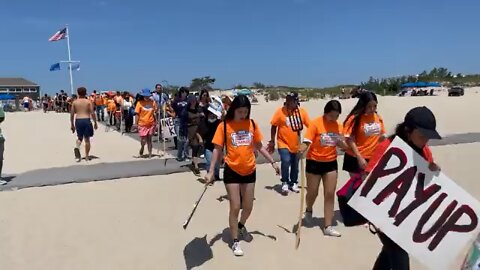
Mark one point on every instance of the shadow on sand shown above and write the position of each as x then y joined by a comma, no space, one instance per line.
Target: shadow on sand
199,250
90,157
316,222
278,188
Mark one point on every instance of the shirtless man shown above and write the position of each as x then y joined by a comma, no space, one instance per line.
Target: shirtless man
82,112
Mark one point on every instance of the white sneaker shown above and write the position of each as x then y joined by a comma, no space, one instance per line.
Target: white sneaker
3,182
285,188
308,218
295,188
237,250
330,231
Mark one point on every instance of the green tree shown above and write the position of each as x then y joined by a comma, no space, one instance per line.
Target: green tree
202,83
258,85
240,86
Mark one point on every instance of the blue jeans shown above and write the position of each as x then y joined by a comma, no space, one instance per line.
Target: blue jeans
181,141
100,113
208,160
289,166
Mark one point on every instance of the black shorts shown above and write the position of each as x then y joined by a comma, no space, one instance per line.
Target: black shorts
232,177
350,164
321,168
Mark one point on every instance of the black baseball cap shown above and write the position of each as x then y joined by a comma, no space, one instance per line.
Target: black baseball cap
292,95
424,120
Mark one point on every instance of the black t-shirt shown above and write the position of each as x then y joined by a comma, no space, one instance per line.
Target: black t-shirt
207,131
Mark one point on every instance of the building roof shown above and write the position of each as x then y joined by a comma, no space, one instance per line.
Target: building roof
16,82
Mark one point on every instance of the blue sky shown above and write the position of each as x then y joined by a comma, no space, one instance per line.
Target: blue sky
134,44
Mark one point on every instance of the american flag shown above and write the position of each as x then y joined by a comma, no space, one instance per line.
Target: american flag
61,34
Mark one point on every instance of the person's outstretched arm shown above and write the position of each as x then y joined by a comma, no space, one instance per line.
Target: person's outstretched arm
268,157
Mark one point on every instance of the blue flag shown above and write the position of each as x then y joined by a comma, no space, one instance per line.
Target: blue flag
55,66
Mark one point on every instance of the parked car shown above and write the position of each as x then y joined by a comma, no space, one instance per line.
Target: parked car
456,91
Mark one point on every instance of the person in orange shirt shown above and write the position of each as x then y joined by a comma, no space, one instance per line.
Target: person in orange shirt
288,141
146,120
99,106
363,130
323,136
241,136
111,107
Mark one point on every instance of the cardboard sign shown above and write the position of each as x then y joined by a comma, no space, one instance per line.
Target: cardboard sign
424,212
168,128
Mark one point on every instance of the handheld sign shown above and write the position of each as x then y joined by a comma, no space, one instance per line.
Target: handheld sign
168,128
424,212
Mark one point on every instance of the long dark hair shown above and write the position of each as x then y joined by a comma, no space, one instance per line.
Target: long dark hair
360,109
240,101
332,105
182,90
205,91
403,130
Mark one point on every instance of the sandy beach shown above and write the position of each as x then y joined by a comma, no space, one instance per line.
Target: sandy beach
135,223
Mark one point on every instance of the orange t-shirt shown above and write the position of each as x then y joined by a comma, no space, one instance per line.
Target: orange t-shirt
370,130
111,105
323,136
286,137
99,101
242,137
382,147
145,110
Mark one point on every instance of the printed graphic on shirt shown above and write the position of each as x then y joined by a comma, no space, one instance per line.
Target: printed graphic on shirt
329,139
372,129
241,138
287,121
148,107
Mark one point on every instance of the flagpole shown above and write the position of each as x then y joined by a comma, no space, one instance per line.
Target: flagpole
69,61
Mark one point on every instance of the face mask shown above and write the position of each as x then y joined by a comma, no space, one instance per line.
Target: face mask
212,120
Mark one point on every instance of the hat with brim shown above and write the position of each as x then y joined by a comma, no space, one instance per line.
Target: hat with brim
292,95
216,112
423,119
145,93
430,133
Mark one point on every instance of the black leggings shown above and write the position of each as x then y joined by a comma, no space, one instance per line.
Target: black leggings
392,256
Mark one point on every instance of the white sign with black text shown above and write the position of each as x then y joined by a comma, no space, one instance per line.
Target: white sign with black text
424,212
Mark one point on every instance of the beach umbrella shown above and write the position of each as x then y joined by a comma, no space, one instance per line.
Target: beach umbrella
7,97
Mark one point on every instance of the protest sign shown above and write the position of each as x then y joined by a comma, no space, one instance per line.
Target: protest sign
424,212
168,128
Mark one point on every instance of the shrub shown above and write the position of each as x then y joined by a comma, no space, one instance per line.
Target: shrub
273,95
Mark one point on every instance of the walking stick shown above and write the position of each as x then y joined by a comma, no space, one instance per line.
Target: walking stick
165,117
296,124
187,221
